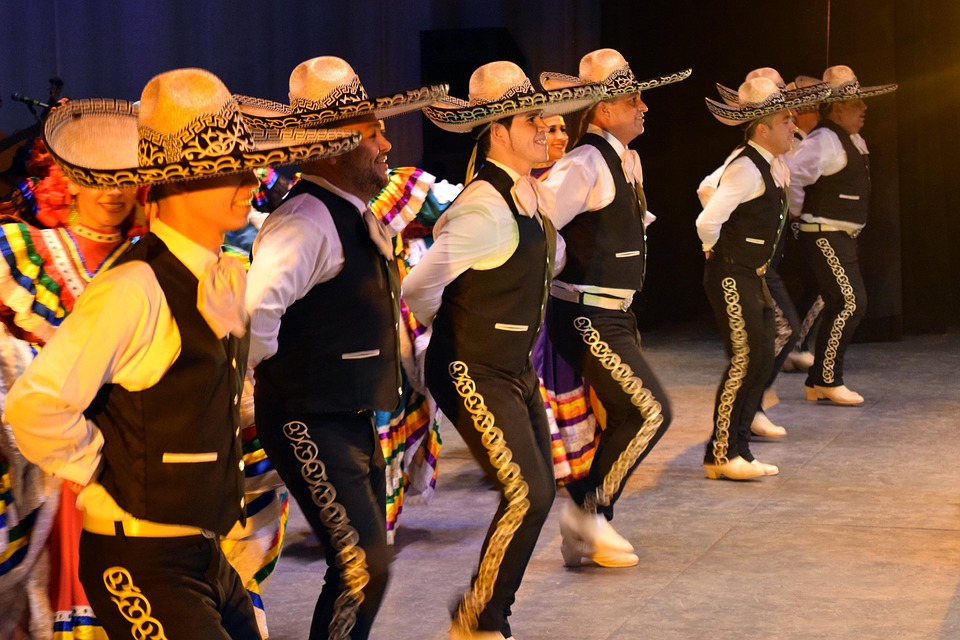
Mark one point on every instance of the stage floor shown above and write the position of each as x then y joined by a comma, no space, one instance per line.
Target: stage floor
857,538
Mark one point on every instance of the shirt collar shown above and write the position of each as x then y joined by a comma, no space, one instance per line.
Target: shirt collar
763,152
510,172
194,257
609,137
329,186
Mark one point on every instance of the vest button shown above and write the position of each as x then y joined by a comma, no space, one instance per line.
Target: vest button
243,502
241,465
233,363
237,433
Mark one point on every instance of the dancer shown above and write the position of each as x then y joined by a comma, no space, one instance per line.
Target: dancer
482,287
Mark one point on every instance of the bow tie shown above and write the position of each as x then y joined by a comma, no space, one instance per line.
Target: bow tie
378,234
780,172
220,297
631,167
531,196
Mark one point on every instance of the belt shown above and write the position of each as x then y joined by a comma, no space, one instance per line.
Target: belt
761,270
591,299
814,227
142,528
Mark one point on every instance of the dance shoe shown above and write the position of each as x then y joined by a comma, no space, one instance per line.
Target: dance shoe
836,395
735,469
575,551
762,427
459,633
798,361
770,398
768,469
591,528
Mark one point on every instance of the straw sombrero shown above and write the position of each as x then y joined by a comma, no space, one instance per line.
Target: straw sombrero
325,90
802,82
609,68
730,95
186,126
501,89
845,86
760,97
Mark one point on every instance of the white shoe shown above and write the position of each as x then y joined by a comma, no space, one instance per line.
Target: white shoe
735,469
761,426
609,538
798,361
768,469
575,551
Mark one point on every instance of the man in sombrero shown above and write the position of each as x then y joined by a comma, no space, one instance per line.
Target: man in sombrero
740,227
482,288
830,193
602,215
324,297
136,398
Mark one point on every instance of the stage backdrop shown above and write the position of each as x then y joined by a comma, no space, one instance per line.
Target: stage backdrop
109,48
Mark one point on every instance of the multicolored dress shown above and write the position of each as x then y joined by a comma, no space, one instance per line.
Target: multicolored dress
42,273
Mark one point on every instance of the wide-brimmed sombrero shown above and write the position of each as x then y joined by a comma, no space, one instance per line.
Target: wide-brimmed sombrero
760,97
187,126
730,95
802,82
325,90
501,89
609,68
845,86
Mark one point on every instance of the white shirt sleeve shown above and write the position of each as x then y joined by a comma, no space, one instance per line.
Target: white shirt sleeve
708,185
819,154
582,182
476,232
120,332
298,247
741,182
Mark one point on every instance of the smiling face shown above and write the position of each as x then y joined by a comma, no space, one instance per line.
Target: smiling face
556,137
623,116
103,210
223,203
520,142
363,171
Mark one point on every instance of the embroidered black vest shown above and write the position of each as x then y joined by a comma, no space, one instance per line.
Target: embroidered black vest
844,195
749,237
608,247
338,346
492,317
172,452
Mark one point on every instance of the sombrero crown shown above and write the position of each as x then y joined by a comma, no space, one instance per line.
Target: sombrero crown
501,89
803,82
845,86
187,126
730,96
760,97
609,68
326,89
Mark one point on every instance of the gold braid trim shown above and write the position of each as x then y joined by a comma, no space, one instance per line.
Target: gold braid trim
809,319
738,369
849,307
783,330
640,397
515,490
351,558
132,604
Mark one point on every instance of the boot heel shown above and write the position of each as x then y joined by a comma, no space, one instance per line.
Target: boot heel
571,553
712,470
812,394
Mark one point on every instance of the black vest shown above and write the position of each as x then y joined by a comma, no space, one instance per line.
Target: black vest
608,247
191,413
844,195
338,347
492,317
749,237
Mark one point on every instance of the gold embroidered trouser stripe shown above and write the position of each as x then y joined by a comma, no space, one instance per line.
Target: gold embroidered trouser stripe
515,491
351,558
809,319
849,308
783,329
738,369
640,397
132,604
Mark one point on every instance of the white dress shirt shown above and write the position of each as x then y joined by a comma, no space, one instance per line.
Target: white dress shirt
741,182
583,182
297,248
121,332
820,154
477,231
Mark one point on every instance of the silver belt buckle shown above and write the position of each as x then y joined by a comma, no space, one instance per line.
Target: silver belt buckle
625,304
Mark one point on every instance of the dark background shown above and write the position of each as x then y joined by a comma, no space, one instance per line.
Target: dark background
908,251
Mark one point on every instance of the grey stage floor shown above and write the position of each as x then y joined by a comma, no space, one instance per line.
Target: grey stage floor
857,538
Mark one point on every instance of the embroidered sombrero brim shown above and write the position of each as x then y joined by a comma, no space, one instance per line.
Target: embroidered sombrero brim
736,115
732,98
616,85
856,92
266,114
98,143
459,116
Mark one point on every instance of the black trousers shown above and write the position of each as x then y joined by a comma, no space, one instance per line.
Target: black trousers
175,588
834,258
334,468
744,313
502,420
604,347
